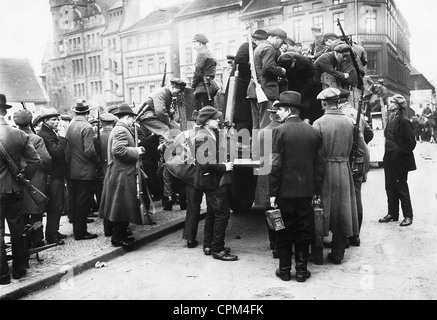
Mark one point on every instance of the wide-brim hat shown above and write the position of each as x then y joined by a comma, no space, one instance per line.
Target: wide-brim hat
81,106
3,103
290,99
124,109
48,112
260,34
206,113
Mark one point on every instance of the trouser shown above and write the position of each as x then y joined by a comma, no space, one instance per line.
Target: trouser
358,182
194,201
260,115
108,227
216,220
70,201
11,206
55,207
82,192
396,187
120,229
339,243
172,185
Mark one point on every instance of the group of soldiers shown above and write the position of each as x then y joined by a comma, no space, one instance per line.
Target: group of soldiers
137,155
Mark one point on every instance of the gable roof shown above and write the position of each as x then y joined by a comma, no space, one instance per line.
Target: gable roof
259,6
206,6
19,82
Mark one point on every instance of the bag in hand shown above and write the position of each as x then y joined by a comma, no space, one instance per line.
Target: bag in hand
274,220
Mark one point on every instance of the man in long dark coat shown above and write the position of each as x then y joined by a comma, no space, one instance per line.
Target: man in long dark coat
398,161
19,148
120,204
295,145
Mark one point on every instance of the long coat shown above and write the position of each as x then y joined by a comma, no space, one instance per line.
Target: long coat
39,180
119,201
81,151
334,179
18,146
205,66
56,146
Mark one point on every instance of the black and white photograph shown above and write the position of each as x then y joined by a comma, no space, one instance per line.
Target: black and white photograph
222,157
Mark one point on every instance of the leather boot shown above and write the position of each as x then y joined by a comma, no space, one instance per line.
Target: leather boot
316,256
302,255
284,273
167,203
284,269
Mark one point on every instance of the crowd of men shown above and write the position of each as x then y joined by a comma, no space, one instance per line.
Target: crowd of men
318,151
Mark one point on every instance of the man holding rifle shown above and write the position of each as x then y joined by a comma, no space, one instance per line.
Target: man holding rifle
18,146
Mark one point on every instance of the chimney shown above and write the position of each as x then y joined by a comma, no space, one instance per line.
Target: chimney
132,13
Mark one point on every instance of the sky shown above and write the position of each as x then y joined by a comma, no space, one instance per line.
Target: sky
25,29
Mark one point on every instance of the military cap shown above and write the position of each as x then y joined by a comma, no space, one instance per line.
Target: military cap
278,33
22,117
178,82
200,37
260,34
66,117
331,36
342,48
399,100
108,117
48,112
329,94
3,103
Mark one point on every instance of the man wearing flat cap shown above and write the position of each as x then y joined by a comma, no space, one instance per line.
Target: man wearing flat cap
334,181
291,184
267,72
203,83
82,169
17,144
317,47
56,146
398,161
33,212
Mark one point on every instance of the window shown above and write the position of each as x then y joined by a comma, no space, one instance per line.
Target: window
372,64
110,64
115,67
151,66
297,30
79,89
189,55
131,95
161,64
272,21
339,16
130,68
95,65
78,69
318,22
297,9
141,67
370,21
337,1
259,24
142,94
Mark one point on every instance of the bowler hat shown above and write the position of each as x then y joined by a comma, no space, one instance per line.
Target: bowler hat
49,112
290,99
278,33
81,106
124,109
179,83
23,117
108,117
260,34
3,102
200,37
330,94
206,113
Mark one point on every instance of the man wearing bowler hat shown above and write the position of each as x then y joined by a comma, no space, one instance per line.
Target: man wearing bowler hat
21,151
82,168
56,146
292,184
203,83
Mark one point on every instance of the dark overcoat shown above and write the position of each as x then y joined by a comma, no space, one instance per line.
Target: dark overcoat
328,63
39,180
295,145
81,152
205,66
119,201
56,146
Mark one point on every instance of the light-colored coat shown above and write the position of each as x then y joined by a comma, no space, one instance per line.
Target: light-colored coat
119,201
334,177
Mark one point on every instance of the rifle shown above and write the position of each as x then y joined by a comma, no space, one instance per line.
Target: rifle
353,56
206,84
30,124
34,192
98,147
260,95
354,151
165,75
145,215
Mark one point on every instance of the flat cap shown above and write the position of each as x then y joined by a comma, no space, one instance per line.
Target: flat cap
399,100
22,117
279,33
178,82
66,117
331,36
108,117
206,113
329,94
342,48
200,37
